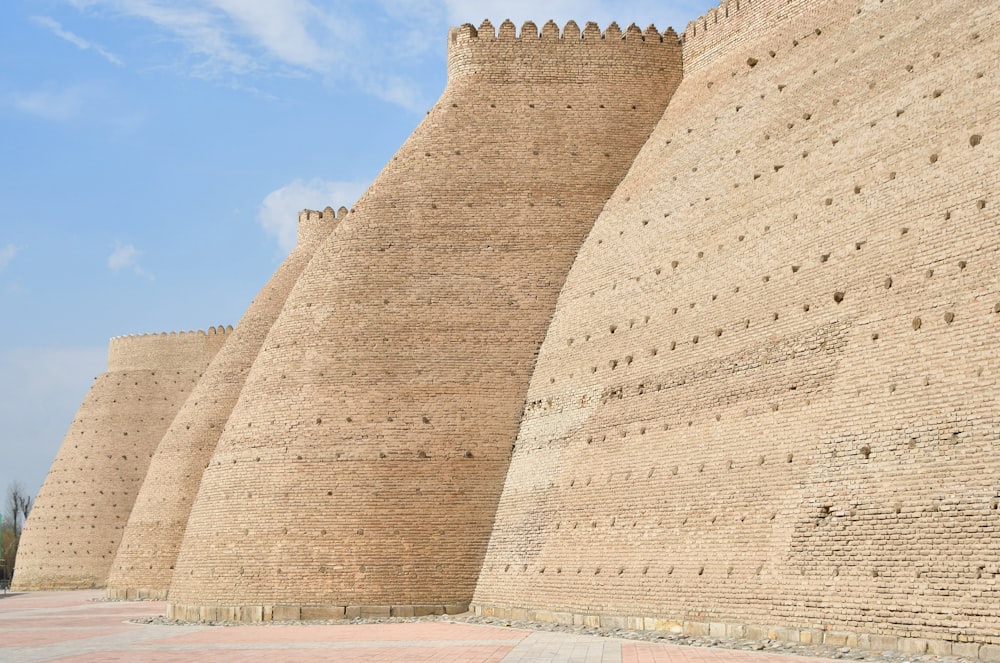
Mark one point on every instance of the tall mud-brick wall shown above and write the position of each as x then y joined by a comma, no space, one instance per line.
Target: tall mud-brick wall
361,467
767,402
73,532
145,561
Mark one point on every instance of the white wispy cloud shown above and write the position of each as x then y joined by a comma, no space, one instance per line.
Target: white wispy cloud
125,256
7,254
377,45
326,39
51,103
57,29
278,213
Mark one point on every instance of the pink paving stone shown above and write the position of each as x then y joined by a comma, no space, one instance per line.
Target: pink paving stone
413,632
67,627
649,652
463,654
40,636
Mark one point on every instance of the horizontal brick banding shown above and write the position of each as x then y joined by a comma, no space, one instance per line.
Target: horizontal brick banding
768,392
365,456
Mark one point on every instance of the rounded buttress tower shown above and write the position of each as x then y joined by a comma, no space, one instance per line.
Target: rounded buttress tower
145,561
361,467
74,529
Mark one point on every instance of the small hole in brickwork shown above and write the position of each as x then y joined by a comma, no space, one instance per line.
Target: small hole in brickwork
789,458
824,257
937,93
962,264
934,158
805,307
975,139
838,297
917,323
949,317
981,204
775,316
888,282
866,451
694,340
718,332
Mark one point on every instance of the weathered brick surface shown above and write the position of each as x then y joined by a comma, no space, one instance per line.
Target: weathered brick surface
145,560
766,402
363,461
768,392
74,529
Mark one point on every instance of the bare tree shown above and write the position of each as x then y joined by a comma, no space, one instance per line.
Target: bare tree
16,508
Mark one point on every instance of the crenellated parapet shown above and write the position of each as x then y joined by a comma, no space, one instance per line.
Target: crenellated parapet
405,346
551,54
166,350
738,22
317,224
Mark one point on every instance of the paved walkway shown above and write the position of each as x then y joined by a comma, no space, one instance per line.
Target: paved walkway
70,626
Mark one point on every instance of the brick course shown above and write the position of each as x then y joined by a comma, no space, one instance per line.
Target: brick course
143,565
362,464
762,403
767,397
76,524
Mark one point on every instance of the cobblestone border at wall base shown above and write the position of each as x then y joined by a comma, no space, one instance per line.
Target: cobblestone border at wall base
136,594
255,614
738,644
834,640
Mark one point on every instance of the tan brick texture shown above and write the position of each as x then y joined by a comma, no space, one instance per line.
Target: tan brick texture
362,464
74,529
145,560
768,395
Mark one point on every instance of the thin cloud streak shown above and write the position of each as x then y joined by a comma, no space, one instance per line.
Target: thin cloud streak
57,29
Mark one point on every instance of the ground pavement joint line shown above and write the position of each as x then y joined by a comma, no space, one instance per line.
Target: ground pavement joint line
565,648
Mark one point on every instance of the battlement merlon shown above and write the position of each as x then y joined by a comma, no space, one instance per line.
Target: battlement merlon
167,351
567,56
724,28
317,225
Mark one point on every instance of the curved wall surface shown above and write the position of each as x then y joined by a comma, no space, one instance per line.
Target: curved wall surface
74,529
145,560
360,469
767,402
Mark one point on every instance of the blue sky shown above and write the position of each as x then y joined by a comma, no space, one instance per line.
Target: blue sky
153,155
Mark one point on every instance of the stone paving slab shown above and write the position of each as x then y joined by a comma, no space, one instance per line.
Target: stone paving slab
73,627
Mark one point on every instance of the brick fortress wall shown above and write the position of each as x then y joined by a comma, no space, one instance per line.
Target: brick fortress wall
360,469
77,522
143,566
766,404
